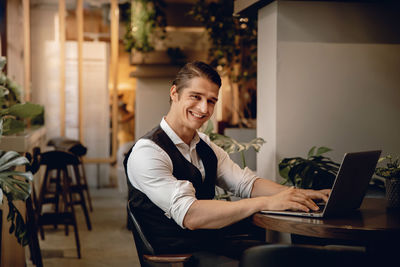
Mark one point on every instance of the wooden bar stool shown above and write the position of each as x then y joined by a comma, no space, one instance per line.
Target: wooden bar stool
58,161
79,150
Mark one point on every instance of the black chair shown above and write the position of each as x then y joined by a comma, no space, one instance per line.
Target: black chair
280,255
145,251
59,161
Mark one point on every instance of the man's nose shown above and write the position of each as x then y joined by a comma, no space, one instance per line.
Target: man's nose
203,106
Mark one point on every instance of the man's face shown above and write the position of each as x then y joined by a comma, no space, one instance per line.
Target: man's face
195,104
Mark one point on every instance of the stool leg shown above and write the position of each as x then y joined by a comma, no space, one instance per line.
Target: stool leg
57,195
86,186
43,191
78,246
69,205
82,198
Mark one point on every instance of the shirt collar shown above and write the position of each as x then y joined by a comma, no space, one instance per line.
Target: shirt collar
174,137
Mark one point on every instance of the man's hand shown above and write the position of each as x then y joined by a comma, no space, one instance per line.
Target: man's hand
296,199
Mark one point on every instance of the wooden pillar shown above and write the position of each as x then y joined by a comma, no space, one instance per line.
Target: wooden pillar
61,17
114,60
79,18
15,41
27,49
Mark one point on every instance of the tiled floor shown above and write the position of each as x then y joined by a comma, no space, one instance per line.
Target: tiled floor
109,243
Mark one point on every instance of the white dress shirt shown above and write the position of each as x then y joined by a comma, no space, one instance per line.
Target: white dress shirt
150,171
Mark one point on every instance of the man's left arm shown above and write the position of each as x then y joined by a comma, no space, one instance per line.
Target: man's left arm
265,187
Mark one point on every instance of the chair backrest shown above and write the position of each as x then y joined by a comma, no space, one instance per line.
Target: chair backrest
143,246
281,255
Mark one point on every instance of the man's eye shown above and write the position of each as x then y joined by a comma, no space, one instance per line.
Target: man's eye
195,97
212,102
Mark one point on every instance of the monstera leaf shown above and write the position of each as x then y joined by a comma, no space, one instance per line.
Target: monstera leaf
315,171
231,145
15,186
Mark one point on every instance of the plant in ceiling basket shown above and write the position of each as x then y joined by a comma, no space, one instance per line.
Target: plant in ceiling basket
145,23
233,50
14,185
314,172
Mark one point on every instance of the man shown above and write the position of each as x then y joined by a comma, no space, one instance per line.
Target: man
172,172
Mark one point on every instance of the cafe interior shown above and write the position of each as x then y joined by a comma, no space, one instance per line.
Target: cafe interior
305,86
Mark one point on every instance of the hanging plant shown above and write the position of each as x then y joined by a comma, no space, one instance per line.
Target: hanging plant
145,24
233,47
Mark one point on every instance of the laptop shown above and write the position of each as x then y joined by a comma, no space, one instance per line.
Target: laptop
349,187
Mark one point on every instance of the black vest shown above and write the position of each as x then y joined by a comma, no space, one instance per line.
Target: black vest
163,233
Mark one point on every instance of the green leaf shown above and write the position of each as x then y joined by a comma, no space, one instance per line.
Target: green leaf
18,225
3,90
11,159
209,128
311,152
284,172
322,150
3,61
315,172
12,126
26,110
26,175
15,189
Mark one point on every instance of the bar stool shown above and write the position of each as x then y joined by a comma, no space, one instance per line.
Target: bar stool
79,150
58,161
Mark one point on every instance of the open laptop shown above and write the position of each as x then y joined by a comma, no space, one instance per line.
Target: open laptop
349,188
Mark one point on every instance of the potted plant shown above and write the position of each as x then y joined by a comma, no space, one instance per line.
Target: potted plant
391,174
314,172
14,185
230,145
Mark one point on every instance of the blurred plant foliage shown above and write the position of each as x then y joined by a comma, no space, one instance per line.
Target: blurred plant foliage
233,38
391,170
15,185
13,112
230,145
145,23
314,172
233,48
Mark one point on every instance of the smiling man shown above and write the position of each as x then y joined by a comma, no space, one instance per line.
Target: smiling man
172,172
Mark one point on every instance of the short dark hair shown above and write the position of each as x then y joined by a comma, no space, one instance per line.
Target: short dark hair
195,69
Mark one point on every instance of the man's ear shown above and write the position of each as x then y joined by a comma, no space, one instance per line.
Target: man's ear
173,93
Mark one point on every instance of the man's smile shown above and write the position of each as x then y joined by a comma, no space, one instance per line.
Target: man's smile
197,115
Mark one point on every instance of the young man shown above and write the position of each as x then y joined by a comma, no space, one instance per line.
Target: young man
172,172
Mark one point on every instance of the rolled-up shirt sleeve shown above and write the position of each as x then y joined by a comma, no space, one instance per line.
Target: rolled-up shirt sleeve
150,171
231,176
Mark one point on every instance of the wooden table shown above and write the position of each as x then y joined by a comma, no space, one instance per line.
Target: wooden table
372,225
